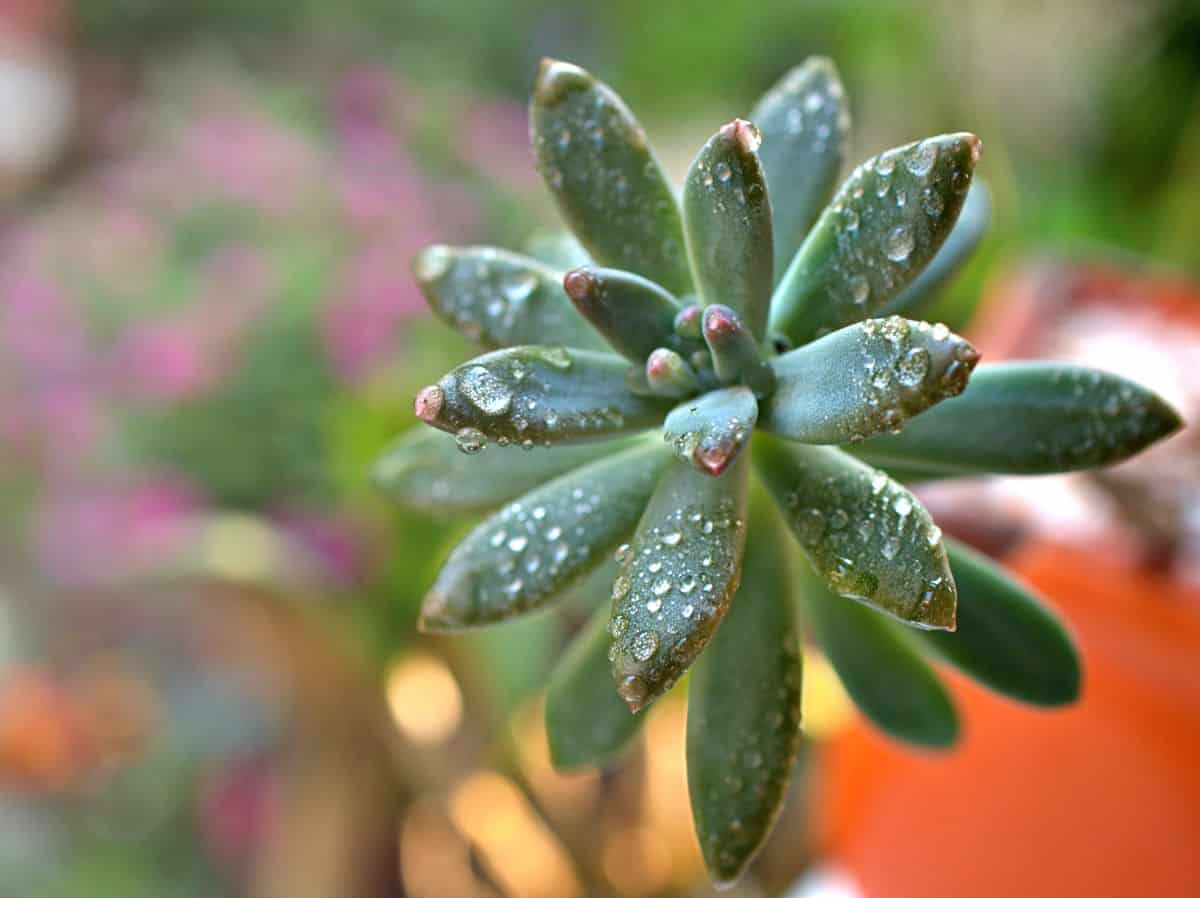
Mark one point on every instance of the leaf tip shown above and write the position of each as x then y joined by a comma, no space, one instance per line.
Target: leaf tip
581,285
745,136
634,692
556,79
428,403
431,263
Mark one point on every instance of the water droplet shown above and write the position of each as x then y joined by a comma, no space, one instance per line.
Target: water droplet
920,160
485,391
860,289
838,519
498,538
898,243
723,172
673,538
632,690
518,543
940,332
654,605
885,165
810,524
932,203
933,535
519,286
913,367
470,440
661,587
644,645
814,101
553,533
620,590
687,611
795,120
623,554
890,548
903,505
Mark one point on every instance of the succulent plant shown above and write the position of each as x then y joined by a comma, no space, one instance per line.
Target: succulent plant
689,360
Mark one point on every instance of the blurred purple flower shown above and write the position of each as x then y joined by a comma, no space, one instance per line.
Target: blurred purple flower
495,141
336,545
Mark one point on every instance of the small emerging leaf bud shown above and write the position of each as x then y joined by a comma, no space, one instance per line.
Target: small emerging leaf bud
556,79
687,322
669,375
428,404
735,354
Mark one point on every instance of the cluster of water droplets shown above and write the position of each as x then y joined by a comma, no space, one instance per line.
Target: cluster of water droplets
675,582
820,119
733,193
1108,420
712,445
872,541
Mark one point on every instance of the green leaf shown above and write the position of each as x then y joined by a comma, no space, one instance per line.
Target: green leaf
1029,418
533,395
865,379
734,352
727,220
558,249
530,552
885,224
1007,639
635,316
668,375
972,223
424,469
587,724
677,578
594,157
498,298
743,720
866,535
889,681
804,122
710,430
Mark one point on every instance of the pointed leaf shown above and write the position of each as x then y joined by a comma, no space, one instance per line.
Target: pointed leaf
587,724
634,315
866,535
527,554
424,469
885,224
890,682
1029,418
677,578
710,430
557,249
610,189
804,122
972,223
727,220
743,719
865,379
537,395
498,298
1006,638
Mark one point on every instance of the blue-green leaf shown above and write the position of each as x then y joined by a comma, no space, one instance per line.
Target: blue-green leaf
424,469
610,189
677,578
865,379
1029,418
734,351
865,534
557,249
527,554
743,721
887,678
885,224
635,316
972,223
498,298
532,395
804,121
1006,639
710,430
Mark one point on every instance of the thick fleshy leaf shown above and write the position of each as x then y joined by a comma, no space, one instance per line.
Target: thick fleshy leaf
587,724
677,577
1006,638
889,681
424,469
865,379
803,120
885,224
531,395
865,534
972,223
727,220
498,298
710,430
1029,418
743,719
734,351
558,249
635,316
667,374
527,554
610,189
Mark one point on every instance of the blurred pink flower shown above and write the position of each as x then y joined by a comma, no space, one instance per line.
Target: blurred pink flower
495,141
235,810
336,545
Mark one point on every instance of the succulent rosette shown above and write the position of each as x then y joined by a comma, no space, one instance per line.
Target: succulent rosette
687,359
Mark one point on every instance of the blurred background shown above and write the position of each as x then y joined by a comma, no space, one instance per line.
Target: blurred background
210,681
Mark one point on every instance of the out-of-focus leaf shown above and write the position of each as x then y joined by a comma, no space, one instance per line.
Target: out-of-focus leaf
635,316
743,721
972,223
528,553
1006,639
534,395
677,578
597,163
557,249
866,535
710,430
803,120
727,220
887,678
424,469
1029,418
498,298
885,224
865,379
